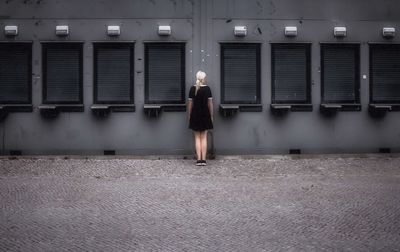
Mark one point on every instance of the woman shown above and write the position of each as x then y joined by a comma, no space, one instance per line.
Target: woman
200,108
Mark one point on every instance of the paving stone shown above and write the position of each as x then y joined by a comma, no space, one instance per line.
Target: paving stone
322,203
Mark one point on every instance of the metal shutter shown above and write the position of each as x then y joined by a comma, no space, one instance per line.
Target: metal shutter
385,73
290,73
340,73
63,73
165,73
240,73
113,73
15,73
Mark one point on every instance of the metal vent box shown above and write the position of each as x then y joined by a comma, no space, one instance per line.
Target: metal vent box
62,30
11,30
388,32
340,32
164,30
240,31
290,31
113,30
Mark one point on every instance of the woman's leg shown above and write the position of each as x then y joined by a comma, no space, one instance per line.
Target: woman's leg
203,137
197,140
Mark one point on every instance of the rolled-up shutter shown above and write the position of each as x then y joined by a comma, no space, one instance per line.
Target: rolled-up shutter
291,73
15,73
385,73
240,75
63,73
165,72
113,73
340,73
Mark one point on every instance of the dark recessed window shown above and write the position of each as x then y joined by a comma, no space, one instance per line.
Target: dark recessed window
291,71
15,73
385,73
240,73
165,73
62,73
113,73
340,64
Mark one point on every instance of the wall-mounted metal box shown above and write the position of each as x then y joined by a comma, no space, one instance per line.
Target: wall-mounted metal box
290,31
388,32
164,30
62,30
240,31
113,30
340,32
11,30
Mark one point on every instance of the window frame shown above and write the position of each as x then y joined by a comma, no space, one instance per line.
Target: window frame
45,46
370,68
258,78
308,74
357,84
28,45
96,46
183,72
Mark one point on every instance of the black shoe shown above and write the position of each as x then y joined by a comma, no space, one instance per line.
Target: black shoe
199,162
203,162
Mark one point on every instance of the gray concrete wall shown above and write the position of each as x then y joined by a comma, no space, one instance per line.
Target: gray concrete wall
202,24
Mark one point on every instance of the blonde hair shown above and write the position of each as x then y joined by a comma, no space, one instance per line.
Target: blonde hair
200,79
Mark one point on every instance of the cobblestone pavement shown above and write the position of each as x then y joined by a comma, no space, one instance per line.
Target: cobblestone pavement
278,203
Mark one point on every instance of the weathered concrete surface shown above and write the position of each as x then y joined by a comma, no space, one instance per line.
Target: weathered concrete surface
322,203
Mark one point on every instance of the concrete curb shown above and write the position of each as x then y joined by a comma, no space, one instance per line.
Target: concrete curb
190,157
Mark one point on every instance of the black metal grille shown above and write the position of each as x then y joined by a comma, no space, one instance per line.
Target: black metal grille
165,73
291,73
340,64
62,73
113,73
240,73
15,73
385,73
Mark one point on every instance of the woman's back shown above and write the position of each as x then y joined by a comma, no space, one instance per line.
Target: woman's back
200,110
200,98
200,114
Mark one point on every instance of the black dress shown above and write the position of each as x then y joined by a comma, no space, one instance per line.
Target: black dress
200,118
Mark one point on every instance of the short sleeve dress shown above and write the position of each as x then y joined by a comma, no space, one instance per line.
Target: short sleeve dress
200,118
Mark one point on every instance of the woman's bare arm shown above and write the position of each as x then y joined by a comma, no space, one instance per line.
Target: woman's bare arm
189,107
211,108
